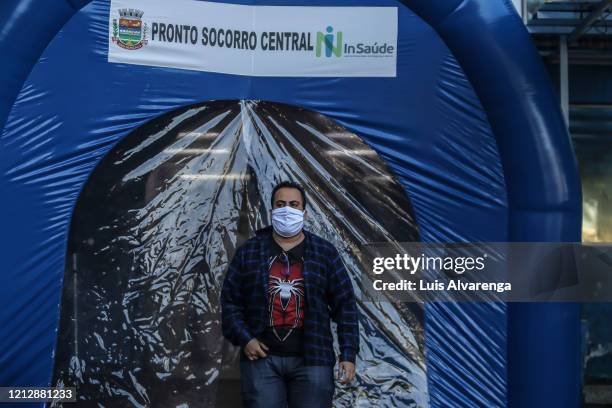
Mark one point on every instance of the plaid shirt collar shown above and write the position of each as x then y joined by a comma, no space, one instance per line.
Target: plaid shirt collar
265,234
296,254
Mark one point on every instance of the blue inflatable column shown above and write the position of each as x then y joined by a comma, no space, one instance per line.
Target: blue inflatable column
26,28
489,40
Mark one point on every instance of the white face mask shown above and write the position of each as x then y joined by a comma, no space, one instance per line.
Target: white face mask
287,221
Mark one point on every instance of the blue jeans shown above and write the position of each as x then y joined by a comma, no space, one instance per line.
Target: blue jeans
281,382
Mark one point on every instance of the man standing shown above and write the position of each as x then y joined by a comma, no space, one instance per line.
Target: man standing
280,291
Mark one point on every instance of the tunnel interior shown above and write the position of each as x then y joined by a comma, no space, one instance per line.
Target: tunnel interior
158,221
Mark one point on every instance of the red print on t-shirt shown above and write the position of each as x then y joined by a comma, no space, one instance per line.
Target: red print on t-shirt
286,295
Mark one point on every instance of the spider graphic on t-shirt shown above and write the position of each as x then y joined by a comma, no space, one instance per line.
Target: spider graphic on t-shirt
285,290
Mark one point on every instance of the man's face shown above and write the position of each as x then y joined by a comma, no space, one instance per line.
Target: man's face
288,197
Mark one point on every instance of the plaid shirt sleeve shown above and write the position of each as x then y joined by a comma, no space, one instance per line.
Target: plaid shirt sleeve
232,310
343,309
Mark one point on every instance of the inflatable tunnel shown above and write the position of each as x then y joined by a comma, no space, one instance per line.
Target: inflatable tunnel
130,173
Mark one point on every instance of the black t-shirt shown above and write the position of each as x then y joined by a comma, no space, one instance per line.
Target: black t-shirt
284,335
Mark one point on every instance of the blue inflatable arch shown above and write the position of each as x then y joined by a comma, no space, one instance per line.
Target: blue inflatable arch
537,363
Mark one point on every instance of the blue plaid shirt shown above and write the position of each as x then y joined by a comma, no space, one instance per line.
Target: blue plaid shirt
328,293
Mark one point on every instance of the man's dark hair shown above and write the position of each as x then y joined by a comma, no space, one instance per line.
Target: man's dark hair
288,184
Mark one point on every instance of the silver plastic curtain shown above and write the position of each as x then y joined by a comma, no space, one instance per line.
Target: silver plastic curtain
159,220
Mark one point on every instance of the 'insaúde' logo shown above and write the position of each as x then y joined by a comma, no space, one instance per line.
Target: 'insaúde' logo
330,44
130,33
326,40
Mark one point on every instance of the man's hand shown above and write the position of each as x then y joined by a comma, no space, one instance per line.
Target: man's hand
255,349
348,369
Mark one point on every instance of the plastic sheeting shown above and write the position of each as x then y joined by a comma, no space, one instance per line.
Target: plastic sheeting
469,129
158,222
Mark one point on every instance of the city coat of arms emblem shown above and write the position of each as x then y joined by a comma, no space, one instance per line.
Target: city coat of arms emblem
130,33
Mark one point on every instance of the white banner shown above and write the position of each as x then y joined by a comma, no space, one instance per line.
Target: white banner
255,40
